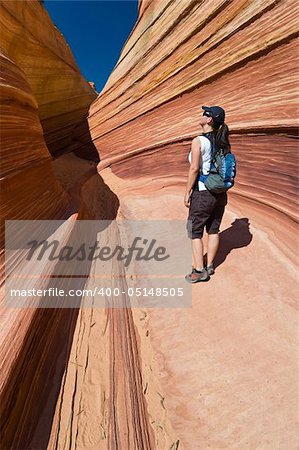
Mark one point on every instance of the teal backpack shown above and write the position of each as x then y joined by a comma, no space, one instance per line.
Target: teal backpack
222,173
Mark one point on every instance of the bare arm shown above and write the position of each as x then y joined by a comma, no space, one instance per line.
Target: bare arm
194,168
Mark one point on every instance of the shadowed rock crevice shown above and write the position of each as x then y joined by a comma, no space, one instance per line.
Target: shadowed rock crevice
30,394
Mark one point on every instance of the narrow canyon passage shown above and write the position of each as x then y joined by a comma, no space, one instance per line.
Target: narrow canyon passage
224,373
218,375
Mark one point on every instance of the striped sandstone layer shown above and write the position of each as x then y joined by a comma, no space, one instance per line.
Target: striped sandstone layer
37,47
29,188
220,365
222,374
222,369
43,99
219,375
181,55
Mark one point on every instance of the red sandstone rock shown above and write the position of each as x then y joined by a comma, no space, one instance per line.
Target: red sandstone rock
29,188
239,55
34,113
32,41
224,373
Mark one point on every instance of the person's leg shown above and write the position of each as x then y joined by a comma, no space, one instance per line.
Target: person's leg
201,205
212,227
213,244
199,272
197,253
196,221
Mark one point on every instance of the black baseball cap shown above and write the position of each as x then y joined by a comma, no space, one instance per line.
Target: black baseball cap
217,113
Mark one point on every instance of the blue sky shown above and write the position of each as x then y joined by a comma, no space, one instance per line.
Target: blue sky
96,31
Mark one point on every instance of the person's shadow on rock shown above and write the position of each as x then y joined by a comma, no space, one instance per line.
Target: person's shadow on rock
236,236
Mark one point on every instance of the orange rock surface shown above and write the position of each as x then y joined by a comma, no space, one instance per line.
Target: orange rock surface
39,111
29,189
224,373
181,56
37,47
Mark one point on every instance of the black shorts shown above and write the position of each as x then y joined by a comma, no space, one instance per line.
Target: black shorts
206,210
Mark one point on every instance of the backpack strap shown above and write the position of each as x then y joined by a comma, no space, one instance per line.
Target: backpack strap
210,136
215,151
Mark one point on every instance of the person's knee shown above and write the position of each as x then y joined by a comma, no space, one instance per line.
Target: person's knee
214,227
213,232
196,234
195,230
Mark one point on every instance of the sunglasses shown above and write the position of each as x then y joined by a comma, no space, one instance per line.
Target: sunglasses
207,113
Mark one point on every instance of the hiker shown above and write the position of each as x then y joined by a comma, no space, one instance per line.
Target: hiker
206,208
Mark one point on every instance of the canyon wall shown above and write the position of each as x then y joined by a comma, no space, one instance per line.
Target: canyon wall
222,373
37,47
182,55
44,101
29,189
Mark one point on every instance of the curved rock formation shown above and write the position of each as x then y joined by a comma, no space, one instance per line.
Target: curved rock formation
33,42
222,374
182,55
29,189
39,107
219,364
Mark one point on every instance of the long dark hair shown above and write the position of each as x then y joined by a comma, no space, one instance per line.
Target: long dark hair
221,134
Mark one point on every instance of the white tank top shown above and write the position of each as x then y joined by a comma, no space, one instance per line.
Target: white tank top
206,156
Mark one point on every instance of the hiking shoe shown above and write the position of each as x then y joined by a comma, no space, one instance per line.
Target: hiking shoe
210,269
195,276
